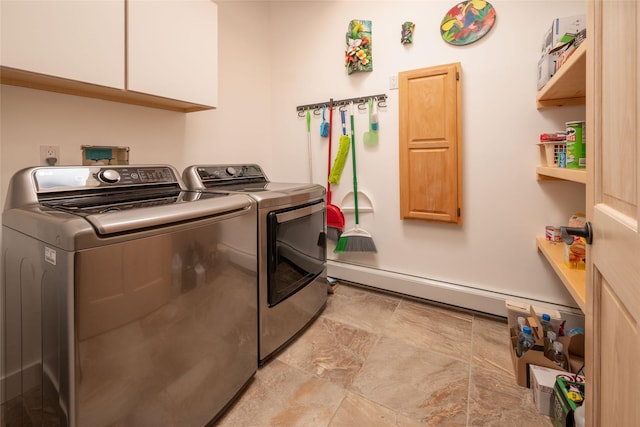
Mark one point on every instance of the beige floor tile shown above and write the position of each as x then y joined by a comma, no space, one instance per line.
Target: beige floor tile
490,344
284,396
358,411
418,383
495,400
361,308
433,328
330,350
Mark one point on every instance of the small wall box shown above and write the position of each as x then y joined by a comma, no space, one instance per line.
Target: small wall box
104,155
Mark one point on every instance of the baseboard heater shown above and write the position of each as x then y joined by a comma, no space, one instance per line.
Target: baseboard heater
453,294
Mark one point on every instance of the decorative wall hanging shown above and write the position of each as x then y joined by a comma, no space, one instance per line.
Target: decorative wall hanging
467,22
358,54
407,32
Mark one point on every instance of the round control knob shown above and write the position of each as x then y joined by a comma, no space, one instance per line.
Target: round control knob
230,171
109,176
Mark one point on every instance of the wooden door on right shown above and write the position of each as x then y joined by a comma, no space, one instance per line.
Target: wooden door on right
613,191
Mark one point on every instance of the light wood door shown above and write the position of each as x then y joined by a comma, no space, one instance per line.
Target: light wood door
613,190
430,144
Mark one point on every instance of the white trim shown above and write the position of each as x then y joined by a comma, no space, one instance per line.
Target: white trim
463,296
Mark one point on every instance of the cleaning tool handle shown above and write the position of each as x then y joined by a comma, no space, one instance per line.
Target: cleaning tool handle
353,162
329,156
308,121
344,122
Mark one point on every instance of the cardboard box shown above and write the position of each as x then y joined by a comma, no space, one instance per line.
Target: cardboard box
573,347
568,396
552,233
517,309
562,31
534,356
547,67
543,381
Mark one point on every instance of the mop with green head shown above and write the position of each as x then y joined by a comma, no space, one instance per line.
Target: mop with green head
357,239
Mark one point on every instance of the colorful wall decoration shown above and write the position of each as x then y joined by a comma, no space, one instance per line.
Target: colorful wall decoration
407,32
358,54
467,22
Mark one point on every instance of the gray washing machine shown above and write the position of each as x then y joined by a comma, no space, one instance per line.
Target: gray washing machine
128,300
292,252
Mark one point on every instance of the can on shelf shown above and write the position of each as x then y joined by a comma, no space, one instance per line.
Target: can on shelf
576,156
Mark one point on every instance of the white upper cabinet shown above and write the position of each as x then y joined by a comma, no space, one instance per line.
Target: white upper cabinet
155,53
173,49
77,40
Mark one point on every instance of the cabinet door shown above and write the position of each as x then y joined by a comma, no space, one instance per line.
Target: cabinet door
76,40
613,190
173,49
430,144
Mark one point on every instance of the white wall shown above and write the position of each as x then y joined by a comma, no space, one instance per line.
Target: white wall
504,205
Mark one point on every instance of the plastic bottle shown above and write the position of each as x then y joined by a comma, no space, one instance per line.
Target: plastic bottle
521,323
545,322
559,357
549,339
525,341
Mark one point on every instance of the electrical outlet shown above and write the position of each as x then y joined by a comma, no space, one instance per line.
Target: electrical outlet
49,155
393,82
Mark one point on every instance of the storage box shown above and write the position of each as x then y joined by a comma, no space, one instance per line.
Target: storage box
534,356
552,233
543,380
517,309
549,152
568,395
562,31
547,67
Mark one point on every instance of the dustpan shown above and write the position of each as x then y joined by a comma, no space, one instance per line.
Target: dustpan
364,202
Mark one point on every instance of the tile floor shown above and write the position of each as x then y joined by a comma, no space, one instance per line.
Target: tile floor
374,359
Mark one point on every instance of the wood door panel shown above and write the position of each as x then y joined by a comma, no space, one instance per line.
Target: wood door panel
619,347
430,144
429,184
427,115
613,159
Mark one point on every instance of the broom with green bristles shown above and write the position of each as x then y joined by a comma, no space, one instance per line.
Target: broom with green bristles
357,239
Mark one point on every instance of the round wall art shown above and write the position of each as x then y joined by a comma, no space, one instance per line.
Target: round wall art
467,22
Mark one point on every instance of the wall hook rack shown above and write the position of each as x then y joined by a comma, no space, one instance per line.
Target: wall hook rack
361,100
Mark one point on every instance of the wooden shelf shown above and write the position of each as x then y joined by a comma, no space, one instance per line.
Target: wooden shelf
551,172
574,280
568,85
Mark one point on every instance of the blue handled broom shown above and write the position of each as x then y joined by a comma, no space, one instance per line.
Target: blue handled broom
357,239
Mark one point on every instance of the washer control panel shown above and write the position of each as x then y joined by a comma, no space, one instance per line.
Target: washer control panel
62,178
229,172
137,175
